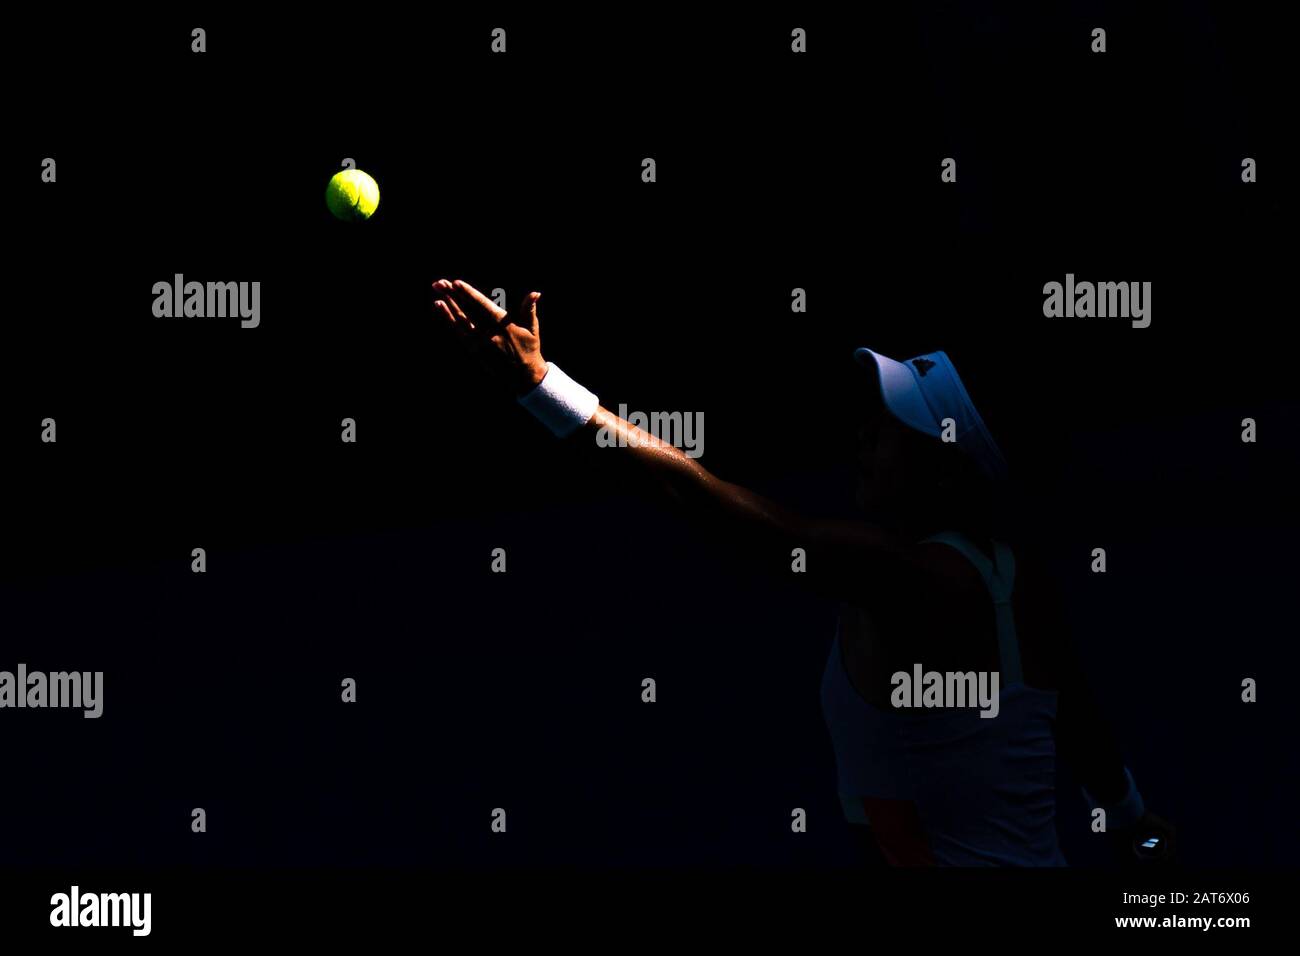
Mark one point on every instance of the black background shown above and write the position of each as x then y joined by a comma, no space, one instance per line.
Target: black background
475,690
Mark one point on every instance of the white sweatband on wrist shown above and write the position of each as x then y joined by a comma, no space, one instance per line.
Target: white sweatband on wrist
1126,811
560,403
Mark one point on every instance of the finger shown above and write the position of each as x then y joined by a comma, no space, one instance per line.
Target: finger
442,289
475,334
476,300
440,306
528,312
460,315
461,326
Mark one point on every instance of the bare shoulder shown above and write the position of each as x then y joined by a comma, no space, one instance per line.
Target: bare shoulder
922,574
948,569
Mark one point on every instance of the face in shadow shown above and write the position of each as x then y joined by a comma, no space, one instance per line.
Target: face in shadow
909,481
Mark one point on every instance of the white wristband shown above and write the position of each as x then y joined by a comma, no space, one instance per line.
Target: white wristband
560,403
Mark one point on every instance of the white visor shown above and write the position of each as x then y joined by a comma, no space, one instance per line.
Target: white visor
924,392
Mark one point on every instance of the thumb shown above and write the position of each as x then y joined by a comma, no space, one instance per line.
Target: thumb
528,311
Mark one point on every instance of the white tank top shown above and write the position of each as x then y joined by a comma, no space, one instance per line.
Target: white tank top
983,788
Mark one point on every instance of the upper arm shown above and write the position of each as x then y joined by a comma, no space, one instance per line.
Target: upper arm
840,557
844,559
1084,735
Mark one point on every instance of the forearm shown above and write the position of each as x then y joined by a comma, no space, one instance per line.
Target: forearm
571,411
642,451
682,480
840,551
1088,744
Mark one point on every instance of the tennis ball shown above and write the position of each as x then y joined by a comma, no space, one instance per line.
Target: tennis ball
352,195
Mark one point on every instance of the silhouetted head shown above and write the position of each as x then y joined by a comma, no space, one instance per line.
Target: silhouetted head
909,477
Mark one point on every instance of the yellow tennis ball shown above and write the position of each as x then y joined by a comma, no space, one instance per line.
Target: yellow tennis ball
352,195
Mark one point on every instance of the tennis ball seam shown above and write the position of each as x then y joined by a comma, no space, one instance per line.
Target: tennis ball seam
348,195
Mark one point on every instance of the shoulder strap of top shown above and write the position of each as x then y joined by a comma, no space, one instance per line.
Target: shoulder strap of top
999,577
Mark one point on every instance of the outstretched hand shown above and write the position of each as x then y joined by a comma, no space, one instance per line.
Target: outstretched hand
509,346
